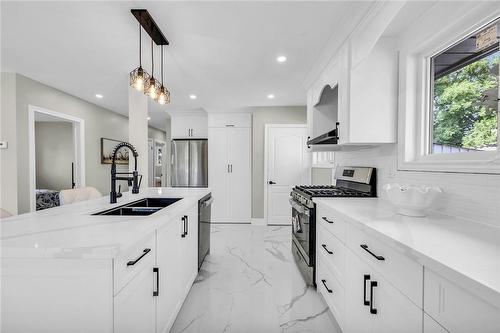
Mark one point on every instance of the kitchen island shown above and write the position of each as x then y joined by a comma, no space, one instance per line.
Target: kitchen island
65,269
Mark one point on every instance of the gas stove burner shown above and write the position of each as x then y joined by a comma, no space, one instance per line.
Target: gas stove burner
329,191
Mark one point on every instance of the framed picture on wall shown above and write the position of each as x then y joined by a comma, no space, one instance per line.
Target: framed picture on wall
107,147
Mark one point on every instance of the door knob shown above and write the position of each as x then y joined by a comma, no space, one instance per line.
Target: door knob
271,182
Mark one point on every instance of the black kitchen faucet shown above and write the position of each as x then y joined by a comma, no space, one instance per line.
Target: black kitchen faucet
132,180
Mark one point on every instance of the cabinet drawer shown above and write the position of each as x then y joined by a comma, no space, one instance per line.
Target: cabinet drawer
132,261
457,309
331,221
404,273
331,289
334,252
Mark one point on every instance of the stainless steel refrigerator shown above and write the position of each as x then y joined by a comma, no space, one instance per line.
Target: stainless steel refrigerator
189,163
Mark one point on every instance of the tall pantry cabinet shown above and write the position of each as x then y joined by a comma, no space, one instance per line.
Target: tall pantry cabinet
229,166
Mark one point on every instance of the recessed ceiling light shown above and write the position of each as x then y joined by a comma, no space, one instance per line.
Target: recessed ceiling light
192,96
281,58
270,96
148,118
99,96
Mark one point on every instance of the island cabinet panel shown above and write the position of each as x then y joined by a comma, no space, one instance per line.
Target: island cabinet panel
55,295
134,306
177,266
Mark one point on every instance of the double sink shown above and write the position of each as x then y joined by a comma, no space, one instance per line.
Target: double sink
142,207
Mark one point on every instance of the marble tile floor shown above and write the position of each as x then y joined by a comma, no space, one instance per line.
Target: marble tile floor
250,283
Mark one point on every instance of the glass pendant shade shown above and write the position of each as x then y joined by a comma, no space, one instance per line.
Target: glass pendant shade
138,78
163,96
152,88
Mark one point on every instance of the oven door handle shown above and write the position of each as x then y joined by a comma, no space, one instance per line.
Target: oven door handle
298,207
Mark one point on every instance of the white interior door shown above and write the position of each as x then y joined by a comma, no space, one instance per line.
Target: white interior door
288,164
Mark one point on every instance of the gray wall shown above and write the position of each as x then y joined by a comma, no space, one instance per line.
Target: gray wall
54,154
261,117
8,157
99,122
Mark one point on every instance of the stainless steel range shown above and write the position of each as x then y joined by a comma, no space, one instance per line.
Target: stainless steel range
350,182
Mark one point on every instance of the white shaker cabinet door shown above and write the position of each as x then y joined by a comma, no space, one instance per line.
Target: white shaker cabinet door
358,318
395,312
239,140
218,170
134,305
431,326
170,264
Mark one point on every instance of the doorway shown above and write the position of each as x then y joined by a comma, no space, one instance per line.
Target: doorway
286,163
56,155
156,163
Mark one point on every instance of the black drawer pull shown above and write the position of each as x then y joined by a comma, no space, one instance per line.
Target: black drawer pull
156,292
366,277
326,287
373,284
327,220
133,262
187,224
183,219
328,251
365,247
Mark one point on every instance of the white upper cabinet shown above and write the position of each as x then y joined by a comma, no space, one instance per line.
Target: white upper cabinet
233,119
189,126
361,99
358,89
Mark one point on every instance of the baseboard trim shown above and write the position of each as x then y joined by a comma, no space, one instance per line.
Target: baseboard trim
259,221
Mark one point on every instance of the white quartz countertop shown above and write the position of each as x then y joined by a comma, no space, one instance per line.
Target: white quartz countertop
460,249
71,231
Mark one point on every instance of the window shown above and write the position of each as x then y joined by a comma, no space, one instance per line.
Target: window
465,95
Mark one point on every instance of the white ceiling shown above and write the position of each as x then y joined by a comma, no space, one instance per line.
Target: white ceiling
224,52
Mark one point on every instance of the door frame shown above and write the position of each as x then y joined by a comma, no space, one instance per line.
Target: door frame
78,144
267,128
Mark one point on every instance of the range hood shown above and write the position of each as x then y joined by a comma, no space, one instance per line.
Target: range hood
329,138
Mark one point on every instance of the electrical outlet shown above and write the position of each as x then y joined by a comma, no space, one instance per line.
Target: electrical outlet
3,144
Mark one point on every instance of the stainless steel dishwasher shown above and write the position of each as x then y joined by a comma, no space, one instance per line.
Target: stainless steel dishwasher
204,212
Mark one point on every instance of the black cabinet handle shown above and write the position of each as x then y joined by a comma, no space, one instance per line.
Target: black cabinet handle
186,223
271,182
156,292
326,287
328,251
373,284
133,262
365,247
183,220
327,220
366,277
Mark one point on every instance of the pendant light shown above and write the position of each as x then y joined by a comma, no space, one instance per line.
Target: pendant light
163,95
152,86
139,77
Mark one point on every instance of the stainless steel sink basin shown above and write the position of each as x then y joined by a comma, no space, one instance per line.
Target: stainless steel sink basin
142,207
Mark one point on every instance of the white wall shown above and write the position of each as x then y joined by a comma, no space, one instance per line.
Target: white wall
262,116
99,122
54,154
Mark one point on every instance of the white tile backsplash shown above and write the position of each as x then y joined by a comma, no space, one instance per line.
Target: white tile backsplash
471,196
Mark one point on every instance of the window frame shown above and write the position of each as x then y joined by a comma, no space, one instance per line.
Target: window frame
416,104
